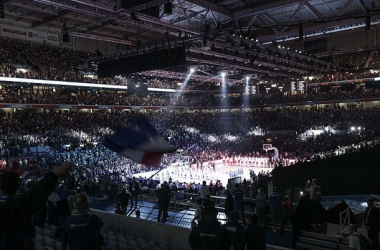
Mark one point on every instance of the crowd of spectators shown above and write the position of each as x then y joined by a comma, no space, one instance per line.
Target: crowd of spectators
42,61
29,95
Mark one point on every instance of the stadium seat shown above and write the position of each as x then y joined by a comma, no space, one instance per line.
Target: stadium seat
111,238
40,240
57,245
152,243
123,247
111,233
49,243
140,241
128,237
38,231
163,247
111,244
122,241
39,247
119,235
46,233
144,247
133,244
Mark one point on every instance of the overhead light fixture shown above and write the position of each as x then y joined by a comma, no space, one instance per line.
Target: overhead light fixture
223,74
247,78
192,70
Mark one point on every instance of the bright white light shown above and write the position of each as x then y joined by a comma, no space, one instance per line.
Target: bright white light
61,83
359,128
247,78
192,70
352,128
279,46
223,74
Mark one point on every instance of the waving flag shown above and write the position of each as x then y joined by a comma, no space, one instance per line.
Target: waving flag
141,143
58,194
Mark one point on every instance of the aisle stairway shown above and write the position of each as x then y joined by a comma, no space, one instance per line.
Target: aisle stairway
314,241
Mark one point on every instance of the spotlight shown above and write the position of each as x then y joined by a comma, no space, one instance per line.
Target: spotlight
352,128
223,74
359,128
247,78
192,70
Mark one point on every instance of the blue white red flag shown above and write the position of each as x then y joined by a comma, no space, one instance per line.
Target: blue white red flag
141,143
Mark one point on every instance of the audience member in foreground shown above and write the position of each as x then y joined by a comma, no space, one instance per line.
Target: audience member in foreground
236,231
255,235
16,210
209,234
82,230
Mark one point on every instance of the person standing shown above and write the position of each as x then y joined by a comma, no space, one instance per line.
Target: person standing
286,210
315,199
209,234
371,223
275,207
235,231
261,207
229,203
124,200
118,209
254,234
82,230
203,191
134,189
238,195
163,198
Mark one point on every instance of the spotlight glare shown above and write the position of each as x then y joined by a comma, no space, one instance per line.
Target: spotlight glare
359,128
352,128
223,74
192,70
247,78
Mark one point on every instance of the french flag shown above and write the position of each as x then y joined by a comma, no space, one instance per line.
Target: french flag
141,143
58,194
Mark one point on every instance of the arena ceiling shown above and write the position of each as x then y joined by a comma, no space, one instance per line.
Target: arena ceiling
232,24
264,20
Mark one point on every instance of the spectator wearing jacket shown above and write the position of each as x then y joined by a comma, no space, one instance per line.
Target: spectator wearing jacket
16,210
163,199
229,203
82,230
209,234
134,189
238,195
261,207
287,211
315,199
235,231
254,234
275,207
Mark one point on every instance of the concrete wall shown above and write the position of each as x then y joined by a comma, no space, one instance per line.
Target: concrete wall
148,230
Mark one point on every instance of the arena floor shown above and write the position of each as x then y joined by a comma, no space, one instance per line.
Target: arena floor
222,172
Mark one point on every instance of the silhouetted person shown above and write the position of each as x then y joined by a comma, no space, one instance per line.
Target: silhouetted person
134,189
255,235
209,234
371,223
235,231
229,203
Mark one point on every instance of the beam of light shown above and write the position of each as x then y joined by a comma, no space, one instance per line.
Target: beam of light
204,72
